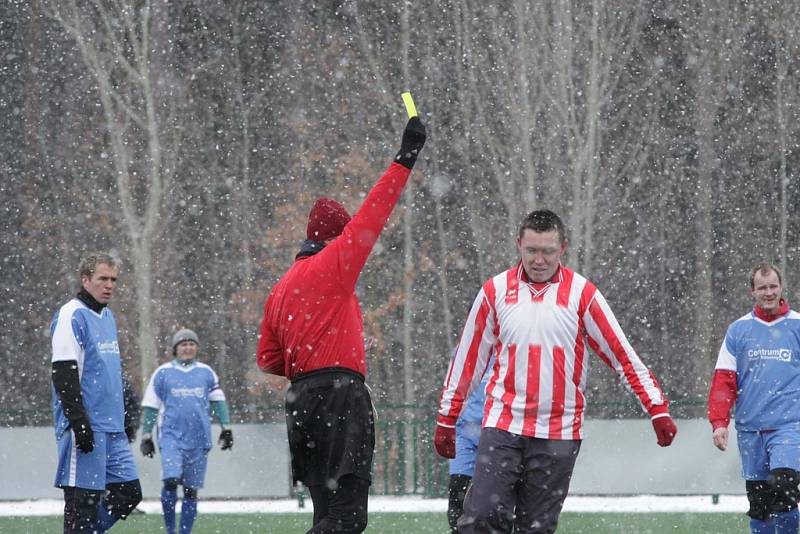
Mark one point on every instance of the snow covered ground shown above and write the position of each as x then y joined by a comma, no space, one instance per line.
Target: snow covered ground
626,504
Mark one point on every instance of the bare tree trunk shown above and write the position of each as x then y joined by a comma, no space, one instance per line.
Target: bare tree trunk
783,148
115,44
703,222
408,277
711,78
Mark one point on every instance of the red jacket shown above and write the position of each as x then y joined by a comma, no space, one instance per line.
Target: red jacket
312,318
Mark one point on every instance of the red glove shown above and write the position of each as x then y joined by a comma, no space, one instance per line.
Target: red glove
444,440
665,429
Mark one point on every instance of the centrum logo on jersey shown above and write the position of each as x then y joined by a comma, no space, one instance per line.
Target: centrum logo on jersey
108,346
187,392
782,355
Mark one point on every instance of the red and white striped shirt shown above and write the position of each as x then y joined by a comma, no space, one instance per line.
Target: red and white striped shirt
539,333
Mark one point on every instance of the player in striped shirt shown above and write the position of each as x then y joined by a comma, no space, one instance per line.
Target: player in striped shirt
537,318
758,368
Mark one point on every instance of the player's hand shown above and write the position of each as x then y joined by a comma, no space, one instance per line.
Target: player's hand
147,447
84,437
444,441
226,439
130,431
720,437
413,140
665,429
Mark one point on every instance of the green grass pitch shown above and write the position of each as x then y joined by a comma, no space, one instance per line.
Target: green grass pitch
405,523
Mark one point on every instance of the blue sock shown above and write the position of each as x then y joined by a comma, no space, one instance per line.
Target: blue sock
103,520
168,500
787,522
188,513
758,526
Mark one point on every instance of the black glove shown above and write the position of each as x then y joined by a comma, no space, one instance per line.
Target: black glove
84,437
226,439
413,140
147,447
130,431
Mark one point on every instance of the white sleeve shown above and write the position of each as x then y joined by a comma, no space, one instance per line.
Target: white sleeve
216,393
726,361
150,399
64,343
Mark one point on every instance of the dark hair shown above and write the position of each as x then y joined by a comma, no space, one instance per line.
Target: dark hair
764,267
543,221
90,262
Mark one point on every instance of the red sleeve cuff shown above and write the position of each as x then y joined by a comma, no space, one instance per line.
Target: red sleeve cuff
719,423
659,409
446,421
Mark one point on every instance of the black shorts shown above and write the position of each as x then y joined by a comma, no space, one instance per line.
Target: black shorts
331,426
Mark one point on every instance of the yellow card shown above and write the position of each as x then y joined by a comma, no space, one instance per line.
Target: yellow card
411,109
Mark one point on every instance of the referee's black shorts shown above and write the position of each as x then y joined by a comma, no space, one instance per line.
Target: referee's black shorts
331,426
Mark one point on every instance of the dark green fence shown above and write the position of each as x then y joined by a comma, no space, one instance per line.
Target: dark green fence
405,461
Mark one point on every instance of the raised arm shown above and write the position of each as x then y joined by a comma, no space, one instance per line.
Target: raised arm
359,236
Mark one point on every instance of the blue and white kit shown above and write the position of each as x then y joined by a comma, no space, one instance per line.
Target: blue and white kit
182,395
90,339
468,429
766,358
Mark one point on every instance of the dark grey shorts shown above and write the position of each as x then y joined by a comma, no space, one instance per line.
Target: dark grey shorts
520,483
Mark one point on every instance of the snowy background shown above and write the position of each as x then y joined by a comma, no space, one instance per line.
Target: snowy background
191,138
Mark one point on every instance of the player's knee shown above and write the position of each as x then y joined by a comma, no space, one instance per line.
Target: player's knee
171,484
123,497
190,493
759,495
785,490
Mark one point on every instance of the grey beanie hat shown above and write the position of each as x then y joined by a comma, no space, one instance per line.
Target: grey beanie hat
184,334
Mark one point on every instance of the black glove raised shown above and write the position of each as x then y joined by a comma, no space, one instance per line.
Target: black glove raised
226,439
84,437
413,140
147,447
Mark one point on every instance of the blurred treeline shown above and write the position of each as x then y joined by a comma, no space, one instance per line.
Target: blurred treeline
191,137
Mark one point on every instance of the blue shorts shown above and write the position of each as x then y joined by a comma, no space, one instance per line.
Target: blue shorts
761,452
188,465
111,462
468,434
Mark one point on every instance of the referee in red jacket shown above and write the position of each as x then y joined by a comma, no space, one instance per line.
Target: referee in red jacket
312,334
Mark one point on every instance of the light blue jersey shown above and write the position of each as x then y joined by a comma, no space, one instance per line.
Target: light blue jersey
766,358
468,429
473,410
182,396
90,339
